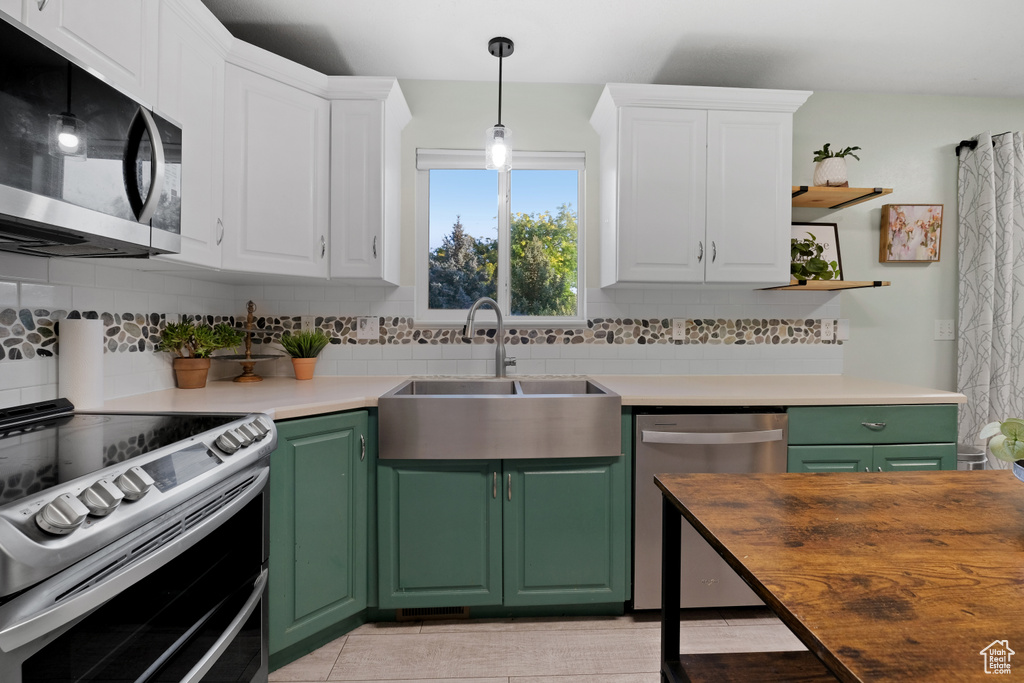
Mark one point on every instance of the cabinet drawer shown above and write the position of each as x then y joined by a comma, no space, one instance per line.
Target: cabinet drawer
872,424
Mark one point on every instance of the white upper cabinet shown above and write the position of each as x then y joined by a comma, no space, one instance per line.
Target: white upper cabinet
192,94
126,56
695,184
367,118
11,8
276,177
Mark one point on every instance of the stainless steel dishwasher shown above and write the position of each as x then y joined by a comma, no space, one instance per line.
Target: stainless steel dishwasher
681,443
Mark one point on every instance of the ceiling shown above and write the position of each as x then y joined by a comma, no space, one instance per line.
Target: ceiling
938,47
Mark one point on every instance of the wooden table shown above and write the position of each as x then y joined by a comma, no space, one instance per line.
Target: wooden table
902,576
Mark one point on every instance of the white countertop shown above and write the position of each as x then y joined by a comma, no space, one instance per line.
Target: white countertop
285,397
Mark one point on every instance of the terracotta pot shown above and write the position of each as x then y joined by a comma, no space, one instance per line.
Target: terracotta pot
304,367
190,373
831,172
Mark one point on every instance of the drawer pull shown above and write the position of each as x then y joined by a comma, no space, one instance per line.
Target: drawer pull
875,426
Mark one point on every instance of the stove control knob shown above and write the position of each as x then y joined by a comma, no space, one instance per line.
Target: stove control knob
228,442
101,498
244,436
260,425
62,515
250,433
134,483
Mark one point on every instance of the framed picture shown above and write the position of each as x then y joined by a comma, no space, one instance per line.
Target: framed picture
910,233
825,235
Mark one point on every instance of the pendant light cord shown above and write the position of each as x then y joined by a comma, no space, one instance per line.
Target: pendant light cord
501,58
68,110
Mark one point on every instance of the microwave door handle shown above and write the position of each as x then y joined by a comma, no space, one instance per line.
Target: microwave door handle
144,209
218,648
762,436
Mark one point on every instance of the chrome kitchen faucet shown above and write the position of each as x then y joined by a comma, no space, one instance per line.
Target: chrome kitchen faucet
500,361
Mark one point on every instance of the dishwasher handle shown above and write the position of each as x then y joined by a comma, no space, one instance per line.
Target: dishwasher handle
762,436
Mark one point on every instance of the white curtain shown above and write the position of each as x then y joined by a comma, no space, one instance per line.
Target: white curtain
990,338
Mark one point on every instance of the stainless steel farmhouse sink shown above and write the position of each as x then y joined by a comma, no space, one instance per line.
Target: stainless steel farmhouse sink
477,419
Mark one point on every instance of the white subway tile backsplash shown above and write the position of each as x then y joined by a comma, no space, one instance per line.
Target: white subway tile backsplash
71,272
10,398
21,267
560,366
112,278
130,300
309,293
9,295
382,367
442,367
53,297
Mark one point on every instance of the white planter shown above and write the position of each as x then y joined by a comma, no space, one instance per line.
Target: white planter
831,172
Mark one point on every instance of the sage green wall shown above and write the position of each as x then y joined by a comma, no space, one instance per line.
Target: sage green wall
907,144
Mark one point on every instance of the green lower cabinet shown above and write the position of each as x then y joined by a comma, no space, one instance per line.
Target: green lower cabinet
514,533
439,533
564,532
318,526
881,458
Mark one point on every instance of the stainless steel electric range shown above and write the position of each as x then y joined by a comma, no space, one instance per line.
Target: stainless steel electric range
133,547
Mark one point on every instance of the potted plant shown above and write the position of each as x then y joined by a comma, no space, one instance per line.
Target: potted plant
192,343
830,166
806,262
304,347
1006,442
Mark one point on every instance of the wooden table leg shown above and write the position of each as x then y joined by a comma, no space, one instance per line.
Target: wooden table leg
671,528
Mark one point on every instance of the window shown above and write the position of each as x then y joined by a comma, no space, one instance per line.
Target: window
514,236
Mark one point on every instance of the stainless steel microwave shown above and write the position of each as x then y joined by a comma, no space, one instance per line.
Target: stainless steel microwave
84,169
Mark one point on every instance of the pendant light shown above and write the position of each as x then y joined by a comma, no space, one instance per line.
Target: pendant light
498,144
67,131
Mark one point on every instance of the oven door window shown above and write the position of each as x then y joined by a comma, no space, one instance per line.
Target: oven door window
161,627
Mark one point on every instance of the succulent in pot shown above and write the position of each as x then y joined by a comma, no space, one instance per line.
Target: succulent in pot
830,166
193,343
304,346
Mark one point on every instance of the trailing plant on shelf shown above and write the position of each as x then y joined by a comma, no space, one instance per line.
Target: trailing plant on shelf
192,344
806,262
830,166
304,346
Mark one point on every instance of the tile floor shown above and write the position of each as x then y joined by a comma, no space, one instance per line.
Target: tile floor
536,650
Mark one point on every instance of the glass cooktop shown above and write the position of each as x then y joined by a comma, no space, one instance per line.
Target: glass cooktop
37,455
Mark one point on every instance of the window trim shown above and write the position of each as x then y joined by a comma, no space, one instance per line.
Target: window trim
459,159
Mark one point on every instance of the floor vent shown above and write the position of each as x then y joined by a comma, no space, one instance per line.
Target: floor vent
420,613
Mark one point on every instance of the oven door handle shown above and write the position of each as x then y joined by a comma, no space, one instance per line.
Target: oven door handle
218,648
651,436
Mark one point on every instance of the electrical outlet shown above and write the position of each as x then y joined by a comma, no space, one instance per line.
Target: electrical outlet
828,330
368,327
678,328
944,330
842,329
308,322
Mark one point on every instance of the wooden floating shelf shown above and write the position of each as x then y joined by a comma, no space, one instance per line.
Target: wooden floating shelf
811,197
829,285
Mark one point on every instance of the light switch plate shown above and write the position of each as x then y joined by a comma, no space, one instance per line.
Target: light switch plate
308,322
944,330
678,328
842,329
368,327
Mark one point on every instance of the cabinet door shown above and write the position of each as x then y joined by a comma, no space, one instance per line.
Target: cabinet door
125,56
318,525
439,533
11,8
829,459
357,190
276,190
565,531
662,157
192,94
915,456
749,175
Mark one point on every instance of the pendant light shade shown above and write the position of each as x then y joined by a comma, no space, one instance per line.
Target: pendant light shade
498,139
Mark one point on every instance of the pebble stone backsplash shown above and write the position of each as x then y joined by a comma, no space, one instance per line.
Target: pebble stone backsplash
30,333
